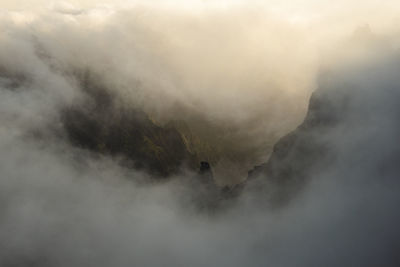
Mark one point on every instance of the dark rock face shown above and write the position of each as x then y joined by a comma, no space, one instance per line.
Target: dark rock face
102,124
350,132
297,154
309,148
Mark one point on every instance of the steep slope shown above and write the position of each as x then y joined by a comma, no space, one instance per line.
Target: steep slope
350,132
101,123
300,152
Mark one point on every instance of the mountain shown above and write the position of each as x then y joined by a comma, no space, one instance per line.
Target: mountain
349,133
298,153
102,124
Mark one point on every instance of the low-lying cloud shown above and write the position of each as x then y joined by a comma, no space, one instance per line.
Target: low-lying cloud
246,72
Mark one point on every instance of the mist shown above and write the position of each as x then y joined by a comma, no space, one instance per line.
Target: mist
238,76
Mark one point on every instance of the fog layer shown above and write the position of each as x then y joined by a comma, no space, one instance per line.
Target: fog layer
240,78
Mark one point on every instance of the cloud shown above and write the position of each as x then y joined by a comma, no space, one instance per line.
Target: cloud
245,73
215,71
66,8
